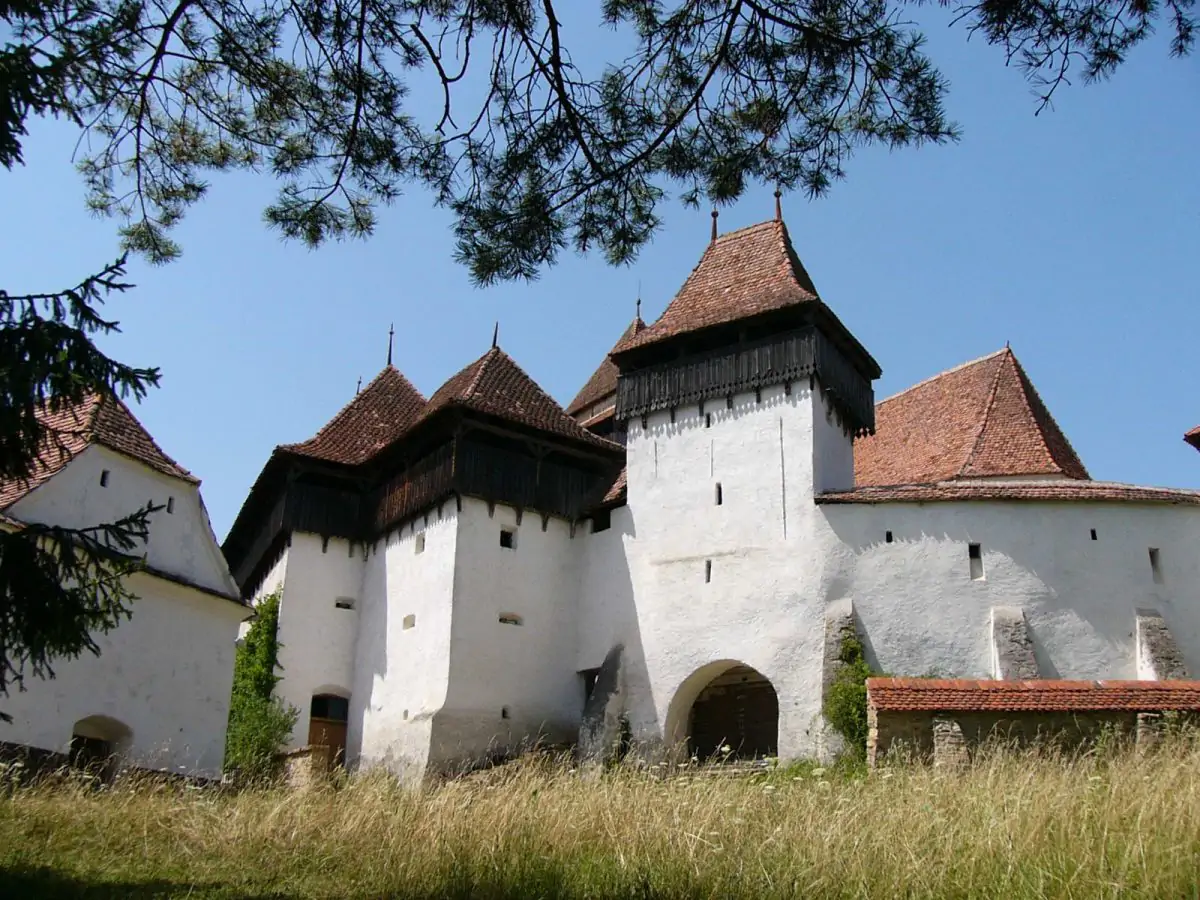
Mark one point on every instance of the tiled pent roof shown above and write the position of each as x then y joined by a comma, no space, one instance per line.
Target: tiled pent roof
497,386
983,418
72,429
743,273
604,380
962,695
379,414
1010,491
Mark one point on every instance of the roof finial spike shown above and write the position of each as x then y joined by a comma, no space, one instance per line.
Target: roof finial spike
496,335
638,313
1006,346
778,205
714,225
391,331
358,387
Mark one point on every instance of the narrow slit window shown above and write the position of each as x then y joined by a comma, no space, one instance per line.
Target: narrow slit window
410,621
344,603
508,538
104,478
720,496
504,713
975,557
1093,534
708,420
707,571
887,537
1156,565
419,543
171,505
511,619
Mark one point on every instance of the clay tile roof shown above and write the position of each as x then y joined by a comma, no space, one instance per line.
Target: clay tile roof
741,274
1193,437
1029,491
497,386
617,491
964,695
71,429
983,418
380,413
604,380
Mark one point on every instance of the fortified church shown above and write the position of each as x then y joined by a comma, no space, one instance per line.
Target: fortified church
676,557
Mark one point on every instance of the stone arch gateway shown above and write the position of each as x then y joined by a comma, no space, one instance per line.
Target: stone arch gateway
725,704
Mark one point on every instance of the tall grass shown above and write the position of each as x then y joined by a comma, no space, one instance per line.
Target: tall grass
1012,826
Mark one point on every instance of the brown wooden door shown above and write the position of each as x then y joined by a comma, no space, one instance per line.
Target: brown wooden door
329,733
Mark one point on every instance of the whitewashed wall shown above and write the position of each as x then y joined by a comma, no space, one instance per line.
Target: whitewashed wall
166,674
401,673
530,669
181,543
317,652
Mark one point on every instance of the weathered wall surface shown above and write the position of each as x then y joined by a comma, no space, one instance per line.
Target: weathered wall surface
165,674
181,542
403,647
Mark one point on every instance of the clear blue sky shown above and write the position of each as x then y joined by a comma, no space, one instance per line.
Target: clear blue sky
1073,235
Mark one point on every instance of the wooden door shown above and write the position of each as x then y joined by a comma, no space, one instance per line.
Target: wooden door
329,733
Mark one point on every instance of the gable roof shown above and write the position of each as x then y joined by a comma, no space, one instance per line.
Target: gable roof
741,274
604,380
497,386
983,418
1193,437
378,414
72,428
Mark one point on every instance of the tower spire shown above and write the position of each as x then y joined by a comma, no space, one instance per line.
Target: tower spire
391,331
358,387
714,224
496,335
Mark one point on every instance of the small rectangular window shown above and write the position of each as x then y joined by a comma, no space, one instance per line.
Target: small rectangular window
1156,565
707,571
508,538
601,520
1093,534
104,478
720,497
708,420
410,621
171,505
975,555
888,537
510,619
344,603
419,543
504,713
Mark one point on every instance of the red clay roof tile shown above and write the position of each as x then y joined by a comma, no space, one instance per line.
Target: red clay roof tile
980,419
604,380
71,429
379,413
965,695
1029,491
741,274
1193,437
496,385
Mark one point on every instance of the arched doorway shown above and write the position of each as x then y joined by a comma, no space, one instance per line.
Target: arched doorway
97,743
726,704
327,718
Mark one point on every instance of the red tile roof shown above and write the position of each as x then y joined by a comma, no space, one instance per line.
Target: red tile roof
741,274
378,415
72,429
497,386
983,418
604,380
963,695
1193,437
1029,491
617,491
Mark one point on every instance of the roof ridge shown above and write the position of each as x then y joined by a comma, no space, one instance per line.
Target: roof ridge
1031,395
738,231
987,411
349,403
950,371
112,444
481,366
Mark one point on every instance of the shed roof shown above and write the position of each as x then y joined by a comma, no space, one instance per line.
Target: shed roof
965,695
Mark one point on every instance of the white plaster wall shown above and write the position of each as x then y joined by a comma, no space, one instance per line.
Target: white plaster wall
607,612
764,606
922,612
317,639
181,543
530,668
401,674
166,674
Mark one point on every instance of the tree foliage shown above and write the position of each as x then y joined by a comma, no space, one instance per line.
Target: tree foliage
533,150
259,723
59,587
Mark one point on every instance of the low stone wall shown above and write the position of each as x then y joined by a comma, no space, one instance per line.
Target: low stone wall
946,721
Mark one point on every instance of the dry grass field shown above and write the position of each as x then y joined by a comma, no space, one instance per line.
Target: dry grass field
1012,826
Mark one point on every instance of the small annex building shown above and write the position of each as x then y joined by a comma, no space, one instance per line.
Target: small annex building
675,559
157,696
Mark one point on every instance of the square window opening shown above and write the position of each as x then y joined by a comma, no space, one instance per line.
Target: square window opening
511,619
419,543
1156,565
602,520
975,557
104,478
410,621
508,538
